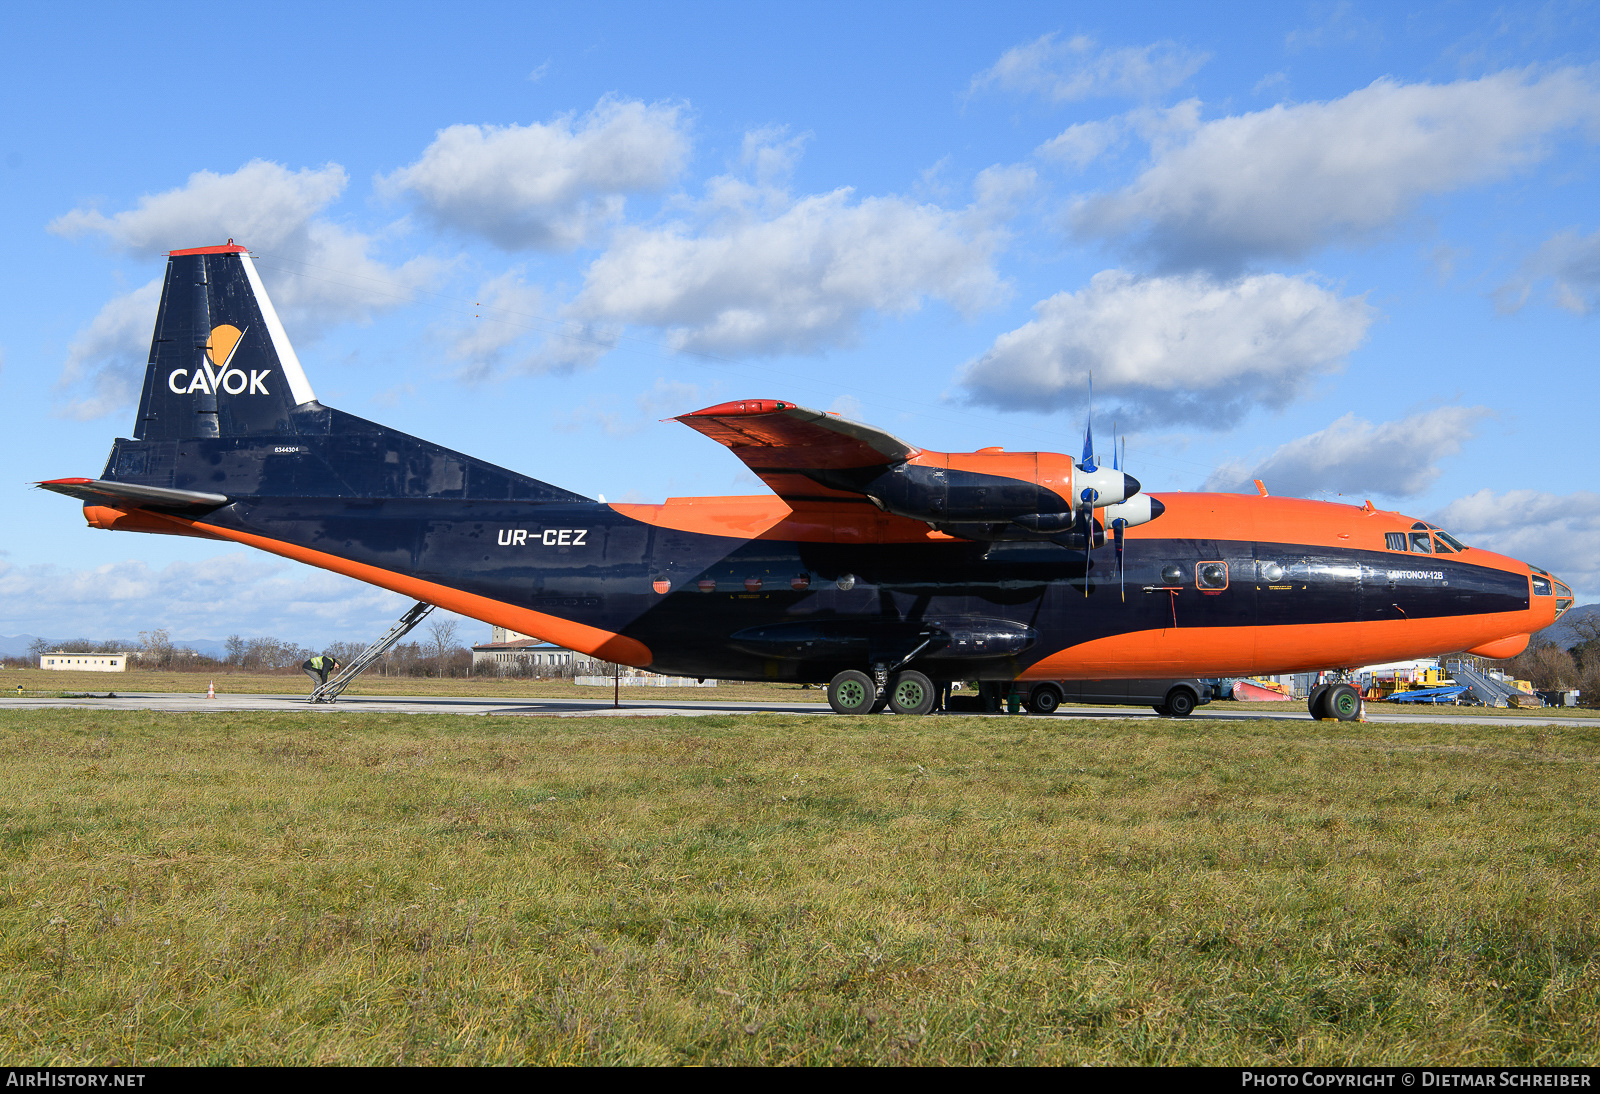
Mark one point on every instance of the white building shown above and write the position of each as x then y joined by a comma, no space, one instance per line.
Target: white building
509,651
84,662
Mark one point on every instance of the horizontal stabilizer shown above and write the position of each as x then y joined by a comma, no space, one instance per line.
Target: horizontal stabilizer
124,494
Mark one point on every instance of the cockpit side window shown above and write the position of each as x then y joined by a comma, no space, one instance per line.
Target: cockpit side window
1440,547
1422,543
1541,586
1451,540
1396,540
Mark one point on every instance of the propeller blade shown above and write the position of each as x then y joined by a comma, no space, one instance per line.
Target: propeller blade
1087,463
1117,528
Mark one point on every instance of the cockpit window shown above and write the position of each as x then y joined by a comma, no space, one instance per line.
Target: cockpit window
1541,586
1422,543
1440,547
1396,540
1451,540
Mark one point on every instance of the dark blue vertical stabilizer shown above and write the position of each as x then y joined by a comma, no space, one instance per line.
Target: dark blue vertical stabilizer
220,362
226,404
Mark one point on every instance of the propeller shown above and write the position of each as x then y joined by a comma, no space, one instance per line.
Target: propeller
1120,524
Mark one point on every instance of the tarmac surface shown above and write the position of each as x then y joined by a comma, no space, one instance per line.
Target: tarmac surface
636,708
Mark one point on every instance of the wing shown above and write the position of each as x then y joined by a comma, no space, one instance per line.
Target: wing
782,442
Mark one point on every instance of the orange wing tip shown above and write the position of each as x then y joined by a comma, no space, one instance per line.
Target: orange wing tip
743,407
62,482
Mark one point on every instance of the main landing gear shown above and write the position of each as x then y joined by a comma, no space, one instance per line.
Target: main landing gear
904,692
1339,700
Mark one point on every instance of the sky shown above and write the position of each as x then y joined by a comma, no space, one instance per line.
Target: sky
1350,249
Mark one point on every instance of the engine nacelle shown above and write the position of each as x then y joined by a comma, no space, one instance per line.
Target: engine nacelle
1139,509
1042,489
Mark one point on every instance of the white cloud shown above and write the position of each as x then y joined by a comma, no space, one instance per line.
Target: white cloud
1077,68
506,312
546,187
1556,531
1284,181
1353,456
1079,145
106,359
1172,350
759,271
1571,262
242,592
317,272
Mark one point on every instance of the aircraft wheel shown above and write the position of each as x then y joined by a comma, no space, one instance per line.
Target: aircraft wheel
1044,699
1180,702
1342,702
1314,702
852,692
910,693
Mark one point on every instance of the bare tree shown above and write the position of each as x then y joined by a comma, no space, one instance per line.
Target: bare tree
157,646
444,641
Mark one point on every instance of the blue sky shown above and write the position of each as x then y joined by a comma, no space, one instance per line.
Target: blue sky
1351,249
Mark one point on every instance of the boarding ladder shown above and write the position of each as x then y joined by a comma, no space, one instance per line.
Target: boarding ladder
327,693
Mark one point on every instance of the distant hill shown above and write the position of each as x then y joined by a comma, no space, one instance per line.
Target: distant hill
15,645
1562,631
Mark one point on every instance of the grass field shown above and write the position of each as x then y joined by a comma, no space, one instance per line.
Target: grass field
290,888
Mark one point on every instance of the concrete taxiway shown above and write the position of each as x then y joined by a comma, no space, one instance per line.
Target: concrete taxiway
637,708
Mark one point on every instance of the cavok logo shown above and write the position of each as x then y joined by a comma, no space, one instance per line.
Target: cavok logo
220,348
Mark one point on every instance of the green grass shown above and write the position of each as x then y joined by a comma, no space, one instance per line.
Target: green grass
369,889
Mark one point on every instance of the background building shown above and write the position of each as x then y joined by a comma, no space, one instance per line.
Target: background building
84,662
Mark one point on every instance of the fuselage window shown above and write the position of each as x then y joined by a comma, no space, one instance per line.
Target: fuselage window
1422,543
1397,540
1211,575
1541,586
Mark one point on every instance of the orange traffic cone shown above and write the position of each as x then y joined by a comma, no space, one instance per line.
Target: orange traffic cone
211,690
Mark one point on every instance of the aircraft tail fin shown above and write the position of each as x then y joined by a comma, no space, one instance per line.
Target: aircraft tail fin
220,362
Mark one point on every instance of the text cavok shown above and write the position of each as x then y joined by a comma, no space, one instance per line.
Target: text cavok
231,380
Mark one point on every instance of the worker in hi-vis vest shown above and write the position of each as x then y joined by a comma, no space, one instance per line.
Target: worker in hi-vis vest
319,667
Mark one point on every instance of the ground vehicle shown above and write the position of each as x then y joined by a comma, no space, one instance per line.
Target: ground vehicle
1174,697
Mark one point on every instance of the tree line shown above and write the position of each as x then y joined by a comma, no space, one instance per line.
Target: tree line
439,654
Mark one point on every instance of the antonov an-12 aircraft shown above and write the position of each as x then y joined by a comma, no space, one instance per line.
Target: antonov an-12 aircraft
876,567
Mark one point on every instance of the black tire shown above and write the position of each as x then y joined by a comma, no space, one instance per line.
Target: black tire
1044,699
1162,710
1343,702
1180,702
910,692
1314,702
852,692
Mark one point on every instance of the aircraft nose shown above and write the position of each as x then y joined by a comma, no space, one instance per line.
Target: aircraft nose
1564,599
1130,486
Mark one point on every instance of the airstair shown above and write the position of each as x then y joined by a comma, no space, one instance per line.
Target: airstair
1489,692
329,692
